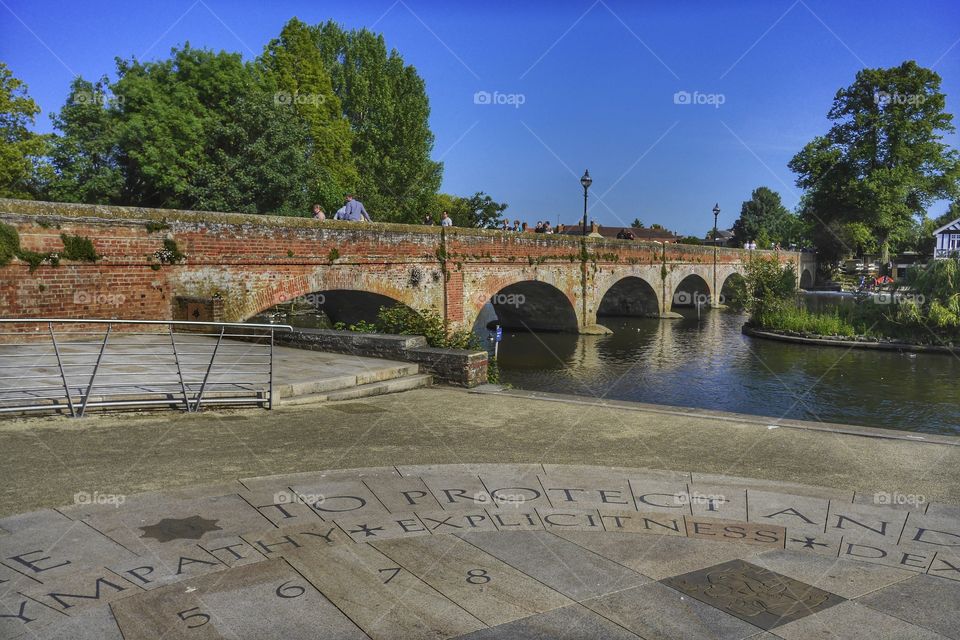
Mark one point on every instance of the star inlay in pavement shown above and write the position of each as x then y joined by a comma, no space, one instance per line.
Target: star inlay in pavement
169,529
367,530
809,543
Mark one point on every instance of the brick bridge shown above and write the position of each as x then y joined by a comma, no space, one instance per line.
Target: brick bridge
234,266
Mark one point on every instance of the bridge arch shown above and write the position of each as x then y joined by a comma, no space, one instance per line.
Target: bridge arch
734,287
806,279
338,288
533,305
630,296
691,291
348,306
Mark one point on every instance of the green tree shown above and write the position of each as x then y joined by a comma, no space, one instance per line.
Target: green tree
478,211
764,219
386,103
21,150
84,155
636,224
294,69
883,160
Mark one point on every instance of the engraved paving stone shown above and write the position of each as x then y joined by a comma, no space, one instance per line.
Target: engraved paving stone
488,588
756,595
269,599
380,596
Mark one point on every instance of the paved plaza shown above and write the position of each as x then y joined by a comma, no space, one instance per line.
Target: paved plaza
484,551
681,524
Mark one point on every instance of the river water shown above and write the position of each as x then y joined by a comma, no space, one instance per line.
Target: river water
708,363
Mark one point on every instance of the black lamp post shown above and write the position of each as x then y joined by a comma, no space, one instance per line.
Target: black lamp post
716,214
586,181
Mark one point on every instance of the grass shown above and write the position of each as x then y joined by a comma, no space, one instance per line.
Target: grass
802,321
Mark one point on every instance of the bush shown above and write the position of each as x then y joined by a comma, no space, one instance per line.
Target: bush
429,324
9,243
770,287
78,248
402,320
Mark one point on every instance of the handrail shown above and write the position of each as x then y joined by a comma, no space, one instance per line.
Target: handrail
245,325
113,373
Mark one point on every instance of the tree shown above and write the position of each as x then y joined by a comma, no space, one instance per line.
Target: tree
386,104
882,162
764,219
20,148
85,155
478,211
295,70
636,224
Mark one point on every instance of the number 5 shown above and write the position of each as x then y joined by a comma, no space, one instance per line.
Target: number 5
206,618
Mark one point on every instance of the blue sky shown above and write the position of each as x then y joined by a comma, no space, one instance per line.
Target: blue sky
596,81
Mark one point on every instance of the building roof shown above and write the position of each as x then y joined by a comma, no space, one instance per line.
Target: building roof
950,226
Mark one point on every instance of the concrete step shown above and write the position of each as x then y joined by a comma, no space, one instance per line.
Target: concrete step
346,381
394,385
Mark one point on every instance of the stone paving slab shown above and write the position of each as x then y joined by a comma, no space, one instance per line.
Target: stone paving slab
496,551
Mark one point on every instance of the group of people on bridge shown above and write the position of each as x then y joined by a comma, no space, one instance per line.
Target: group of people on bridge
352,210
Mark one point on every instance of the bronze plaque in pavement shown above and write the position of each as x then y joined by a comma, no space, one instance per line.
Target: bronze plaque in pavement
759,596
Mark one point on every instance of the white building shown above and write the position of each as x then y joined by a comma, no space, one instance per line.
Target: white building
948,240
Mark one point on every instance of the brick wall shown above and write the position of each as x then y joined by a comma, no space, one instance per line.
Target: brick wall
248,263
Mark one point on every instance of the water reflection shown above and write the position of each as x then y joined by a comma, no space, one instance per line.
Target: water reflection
708,363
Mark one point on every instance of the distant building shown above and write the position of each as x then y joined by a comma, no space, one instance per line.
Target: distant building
645,234
948,240
724,238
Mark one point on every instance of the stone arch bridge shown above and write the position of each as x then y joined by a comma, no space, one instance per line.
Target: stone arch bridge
171,264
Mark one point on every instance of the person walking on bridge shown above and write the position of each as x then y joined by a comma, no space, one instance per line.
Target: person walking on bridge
353,210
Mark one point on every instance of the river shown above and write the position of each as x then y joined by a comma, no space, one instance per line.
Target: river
708,363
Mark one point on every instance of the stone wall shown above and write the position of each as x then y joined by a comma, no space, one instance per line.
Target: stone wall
454,366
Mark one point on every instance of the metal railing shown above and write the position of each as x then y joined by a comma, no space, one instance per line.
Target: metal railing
70,366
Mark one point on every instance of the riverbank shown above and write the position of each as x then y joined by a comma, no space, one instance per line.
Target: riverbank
49,460
840,341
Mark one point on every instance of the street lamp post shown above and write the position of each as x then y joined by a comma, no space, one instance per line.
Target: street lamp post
716,214
586,181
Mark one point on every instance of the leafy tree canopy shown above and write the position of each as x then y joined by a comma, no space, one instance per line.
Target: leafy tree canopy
883,161
20,148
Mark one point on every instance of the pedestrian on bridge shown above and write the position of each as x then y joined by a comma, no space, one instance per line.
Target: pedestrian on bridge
445,220
318,213
353,211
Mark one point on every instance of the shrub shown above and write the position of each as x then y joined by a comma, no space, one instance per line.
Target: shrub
770,287
78,248
9,243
